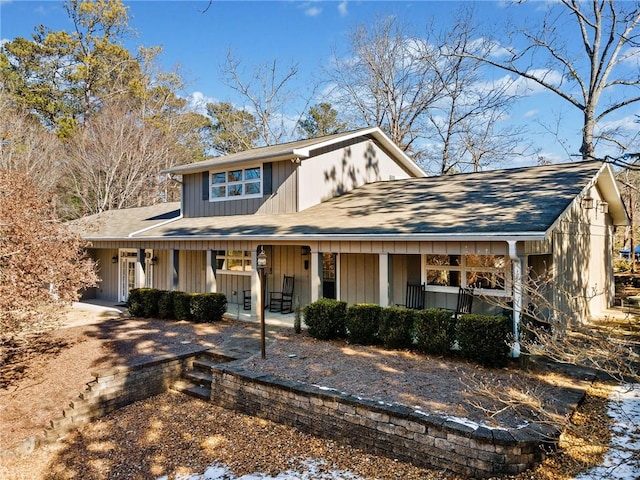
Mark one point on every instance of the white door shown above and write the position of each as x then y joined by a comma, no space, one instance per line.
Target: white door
127,276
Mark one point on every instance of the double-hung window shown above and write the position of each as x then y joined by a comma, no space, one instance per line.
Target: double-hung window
236,184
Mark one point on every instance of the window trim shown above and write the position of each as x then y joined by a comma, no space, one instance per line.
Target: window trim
242,182
463,269
246,255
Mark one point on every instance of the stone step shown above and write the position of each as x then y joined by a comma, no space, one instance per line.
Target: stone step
198,377
188,388
205,363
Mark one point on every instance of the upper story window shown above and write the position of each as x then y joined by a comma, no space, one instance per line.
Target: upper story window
236,184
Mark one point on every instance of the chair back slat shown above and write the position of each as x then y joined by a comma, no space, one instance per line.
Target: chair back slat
415,296
287,285
465,301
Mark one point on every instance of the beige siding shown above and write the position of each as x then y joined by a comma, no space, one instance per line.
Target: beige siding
404,269
582,261
288,260
282,200
337,171
233,286
359,278
191,274
107,289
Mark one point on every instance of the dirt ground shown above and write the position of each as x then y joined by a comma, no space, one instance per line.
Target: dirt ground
172,434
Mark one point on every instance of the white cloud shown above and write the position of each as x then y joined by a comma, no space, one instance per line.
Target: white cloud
531,113
342,8
313,11
197,102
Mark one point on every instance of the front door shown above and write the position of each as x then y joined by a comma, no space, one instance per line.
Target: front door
127,275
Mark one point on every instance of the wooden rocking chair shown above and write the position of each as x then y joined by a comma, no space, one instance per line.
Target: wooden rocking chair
283,301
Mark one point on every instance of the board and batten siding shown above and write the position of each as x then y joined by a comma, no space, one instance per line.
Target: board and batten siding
191,272
288,260
107,288
343,168
359,278
281,196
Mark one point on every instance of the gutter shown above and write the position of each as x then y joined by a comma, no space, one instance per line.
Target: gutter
408,237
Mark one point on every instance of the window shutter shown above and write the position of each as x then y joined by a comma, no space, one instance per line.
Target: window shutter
205,186
267,178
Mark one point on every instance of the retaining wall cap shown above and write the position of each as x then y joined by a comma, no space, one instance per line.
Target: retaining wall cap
142,364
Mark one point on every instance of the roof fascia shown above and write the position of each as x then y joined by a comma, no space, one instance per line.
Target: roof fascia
610,191
206,166
408,237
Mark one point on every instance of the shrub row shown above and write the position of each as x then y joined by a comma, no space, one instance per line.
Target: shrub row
480,338
154,303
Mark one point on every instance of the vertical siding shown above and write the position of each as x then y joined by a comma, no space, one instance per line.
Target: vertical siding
404,269
191,277
107,288
282,200
343,168
288,260
359,278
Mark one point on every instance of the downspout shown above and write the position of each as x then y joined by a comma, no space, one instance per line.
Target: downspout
516,262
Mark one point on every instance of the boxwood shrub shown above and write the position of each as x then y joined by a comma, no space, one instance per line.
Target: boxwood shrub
325,318
362,323
435,331
484,339
396,327
208,307
134,303
150,298
182,305
165,305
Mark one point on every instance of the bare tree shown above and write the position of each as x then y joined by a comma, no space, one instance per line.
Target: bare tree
388,81
27,147
601,78
271,98
42,262
115,160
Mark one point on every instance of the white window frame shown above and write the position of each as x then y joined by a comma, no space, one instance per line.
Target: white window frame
463,269
247,266
228,184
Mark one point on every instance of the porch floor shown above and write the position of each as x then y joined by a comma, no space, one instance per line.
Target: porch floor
234,311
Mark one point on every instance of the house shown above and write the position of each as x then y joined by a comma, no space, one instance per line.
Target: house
352,217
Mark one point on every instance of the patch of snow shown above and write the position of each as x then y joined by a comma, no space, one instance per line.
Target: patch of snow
622,461
310,470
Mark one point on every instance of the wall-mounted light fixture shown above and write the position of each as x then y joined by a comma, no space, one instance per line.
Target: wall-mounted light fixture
586,202
114,259
154,260
305,250
603,206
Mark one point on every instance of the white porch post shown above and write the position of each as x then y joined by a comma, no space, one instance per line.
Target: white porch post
516,263
140,265
256,305
174,267
384,279
210,272
316,281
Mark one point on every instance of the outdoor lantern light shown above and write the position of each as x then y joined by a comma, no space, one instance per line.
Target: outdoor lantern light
114,259
154,260
262,264
604,207
587,202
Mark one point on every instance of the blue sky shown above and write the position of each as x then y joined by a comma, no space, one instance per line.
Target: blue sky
302,32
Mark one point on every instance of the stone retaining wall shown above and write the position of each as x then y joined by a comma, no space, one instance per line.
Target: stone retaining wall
389,430
112,389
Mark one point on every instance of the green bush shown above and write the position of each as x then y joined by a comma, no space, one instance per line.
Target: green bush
134,303
396,327
165,305
362,323
484,339
208,307
149,299
182,305
435,332
325,318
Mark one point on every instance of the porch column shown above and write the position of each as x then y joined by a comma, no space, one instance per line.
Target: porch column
316,281
383,259
516,263
140,269
210,272
174,268
256,305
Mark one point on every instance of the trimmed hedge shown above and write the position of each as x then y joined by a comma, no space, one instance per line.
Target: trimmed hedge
396,327
150,299
165,305
435,331
208,307
182,305
134,303
325,318
484,339
363,322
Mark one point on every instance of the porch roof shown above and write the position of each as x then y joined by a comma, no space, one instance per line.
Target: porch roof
521,203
